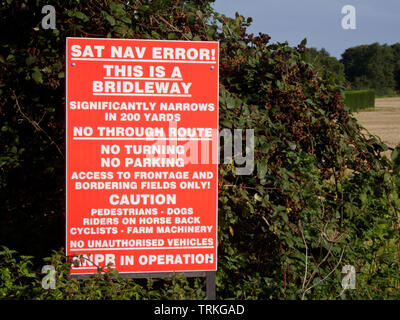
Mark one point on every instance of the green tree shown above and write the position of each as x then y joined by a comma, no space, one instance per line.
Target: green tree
326,66
396,62
370,67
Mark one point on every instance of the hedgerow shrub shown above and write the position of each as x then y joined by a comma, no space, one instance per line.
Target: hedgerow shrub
359,99
19,279
321,196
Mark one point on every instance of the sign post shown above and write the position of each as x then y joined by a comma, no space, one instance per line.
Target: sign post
141,163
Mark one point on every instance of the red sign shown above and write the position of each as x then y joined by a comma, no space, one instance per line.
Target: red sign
142,147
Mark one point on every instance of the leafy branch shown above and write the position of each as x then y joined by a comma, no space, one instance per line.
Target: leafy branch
35,124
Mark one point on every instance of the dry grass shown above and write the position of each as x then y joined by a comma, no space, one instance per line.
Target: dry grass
383,121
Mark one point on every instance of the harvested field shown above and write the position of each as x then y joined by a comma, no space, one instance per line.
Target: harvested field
383,121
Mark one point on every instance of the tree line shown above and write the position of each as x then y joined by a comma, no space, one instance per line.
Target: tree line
372,66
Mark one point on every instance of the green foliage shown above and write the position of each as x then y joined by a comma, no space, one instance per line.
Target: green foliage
396,62
325,66
16,275
322,195
20,280
359,99
372,66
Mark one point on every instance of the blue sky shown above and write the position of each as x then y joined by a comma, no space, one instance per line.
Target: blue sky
319,21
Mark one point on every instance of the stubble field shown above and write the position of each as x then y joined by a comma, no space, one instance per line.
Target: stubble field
383,121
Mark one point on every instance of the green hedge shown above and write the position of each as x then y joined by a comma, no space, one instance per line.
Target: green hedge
322,195
360,99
